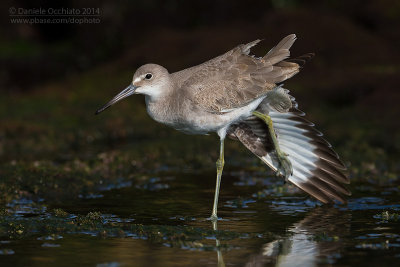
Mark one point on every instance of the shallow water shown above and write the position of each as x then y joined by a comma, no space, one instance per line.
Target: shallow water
162,221
122,190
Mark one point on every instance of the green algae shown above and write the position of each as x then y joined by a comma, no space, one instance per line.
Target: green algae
96,224
386,216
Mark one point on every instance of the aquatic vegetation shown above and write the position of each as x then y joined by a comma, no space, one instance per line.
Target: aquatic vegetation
387,216
96,224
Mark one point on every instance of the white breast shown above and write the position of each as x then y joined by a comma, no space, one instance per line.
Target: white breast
204,122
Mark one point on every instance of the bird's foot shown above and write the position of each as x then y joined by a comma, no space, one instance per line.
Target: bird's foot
285,168
213,217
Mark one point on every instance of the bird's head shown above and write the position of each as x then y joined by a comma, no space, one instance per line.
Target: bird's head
151,80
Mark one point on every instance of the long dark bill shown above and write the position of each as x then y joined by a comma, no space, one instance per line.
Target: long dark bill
130,90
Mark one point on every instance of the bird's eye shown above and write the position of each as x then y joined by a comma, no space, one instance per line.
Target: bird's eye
148,76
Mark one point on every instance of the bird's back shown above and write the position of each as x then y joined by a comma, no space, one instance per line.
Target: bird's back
236,78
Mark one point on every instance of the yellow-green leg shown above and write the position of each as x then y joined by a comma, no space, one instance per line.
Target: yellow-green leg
285,168
220,166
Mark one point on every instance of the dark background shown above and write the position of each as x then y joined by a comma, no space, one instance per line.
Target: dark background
350,88
64,171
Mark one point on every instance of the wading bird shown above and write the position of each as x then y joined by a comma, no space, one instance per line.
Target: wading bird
241,96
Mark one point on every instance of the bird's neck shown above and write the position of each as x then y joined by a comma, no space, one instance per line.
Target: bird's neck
159,106
159,92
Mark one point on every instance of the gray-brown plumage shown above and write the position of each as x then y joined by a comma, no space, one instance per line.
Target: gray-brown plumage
241,95
235,78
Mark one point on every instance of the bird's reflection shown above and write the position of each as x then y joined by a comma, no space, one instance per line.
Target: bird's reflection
221,262
315,239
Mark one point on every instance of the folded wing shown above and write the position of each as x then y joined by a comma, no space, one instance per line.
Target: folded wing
236,78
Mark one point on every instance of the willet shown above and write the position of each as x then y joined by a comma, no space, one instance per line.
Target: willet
241,96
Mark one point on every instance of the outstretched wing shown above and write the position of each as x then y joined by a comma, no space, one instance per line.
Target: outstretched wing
317,169
236,78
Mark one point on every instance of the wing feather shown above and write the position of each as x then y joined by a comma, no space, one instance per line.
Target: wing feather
317,169
236,78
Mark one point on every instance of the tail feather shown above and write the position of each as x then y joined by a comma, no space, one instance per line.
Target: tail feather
281,50
276,66
301,60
